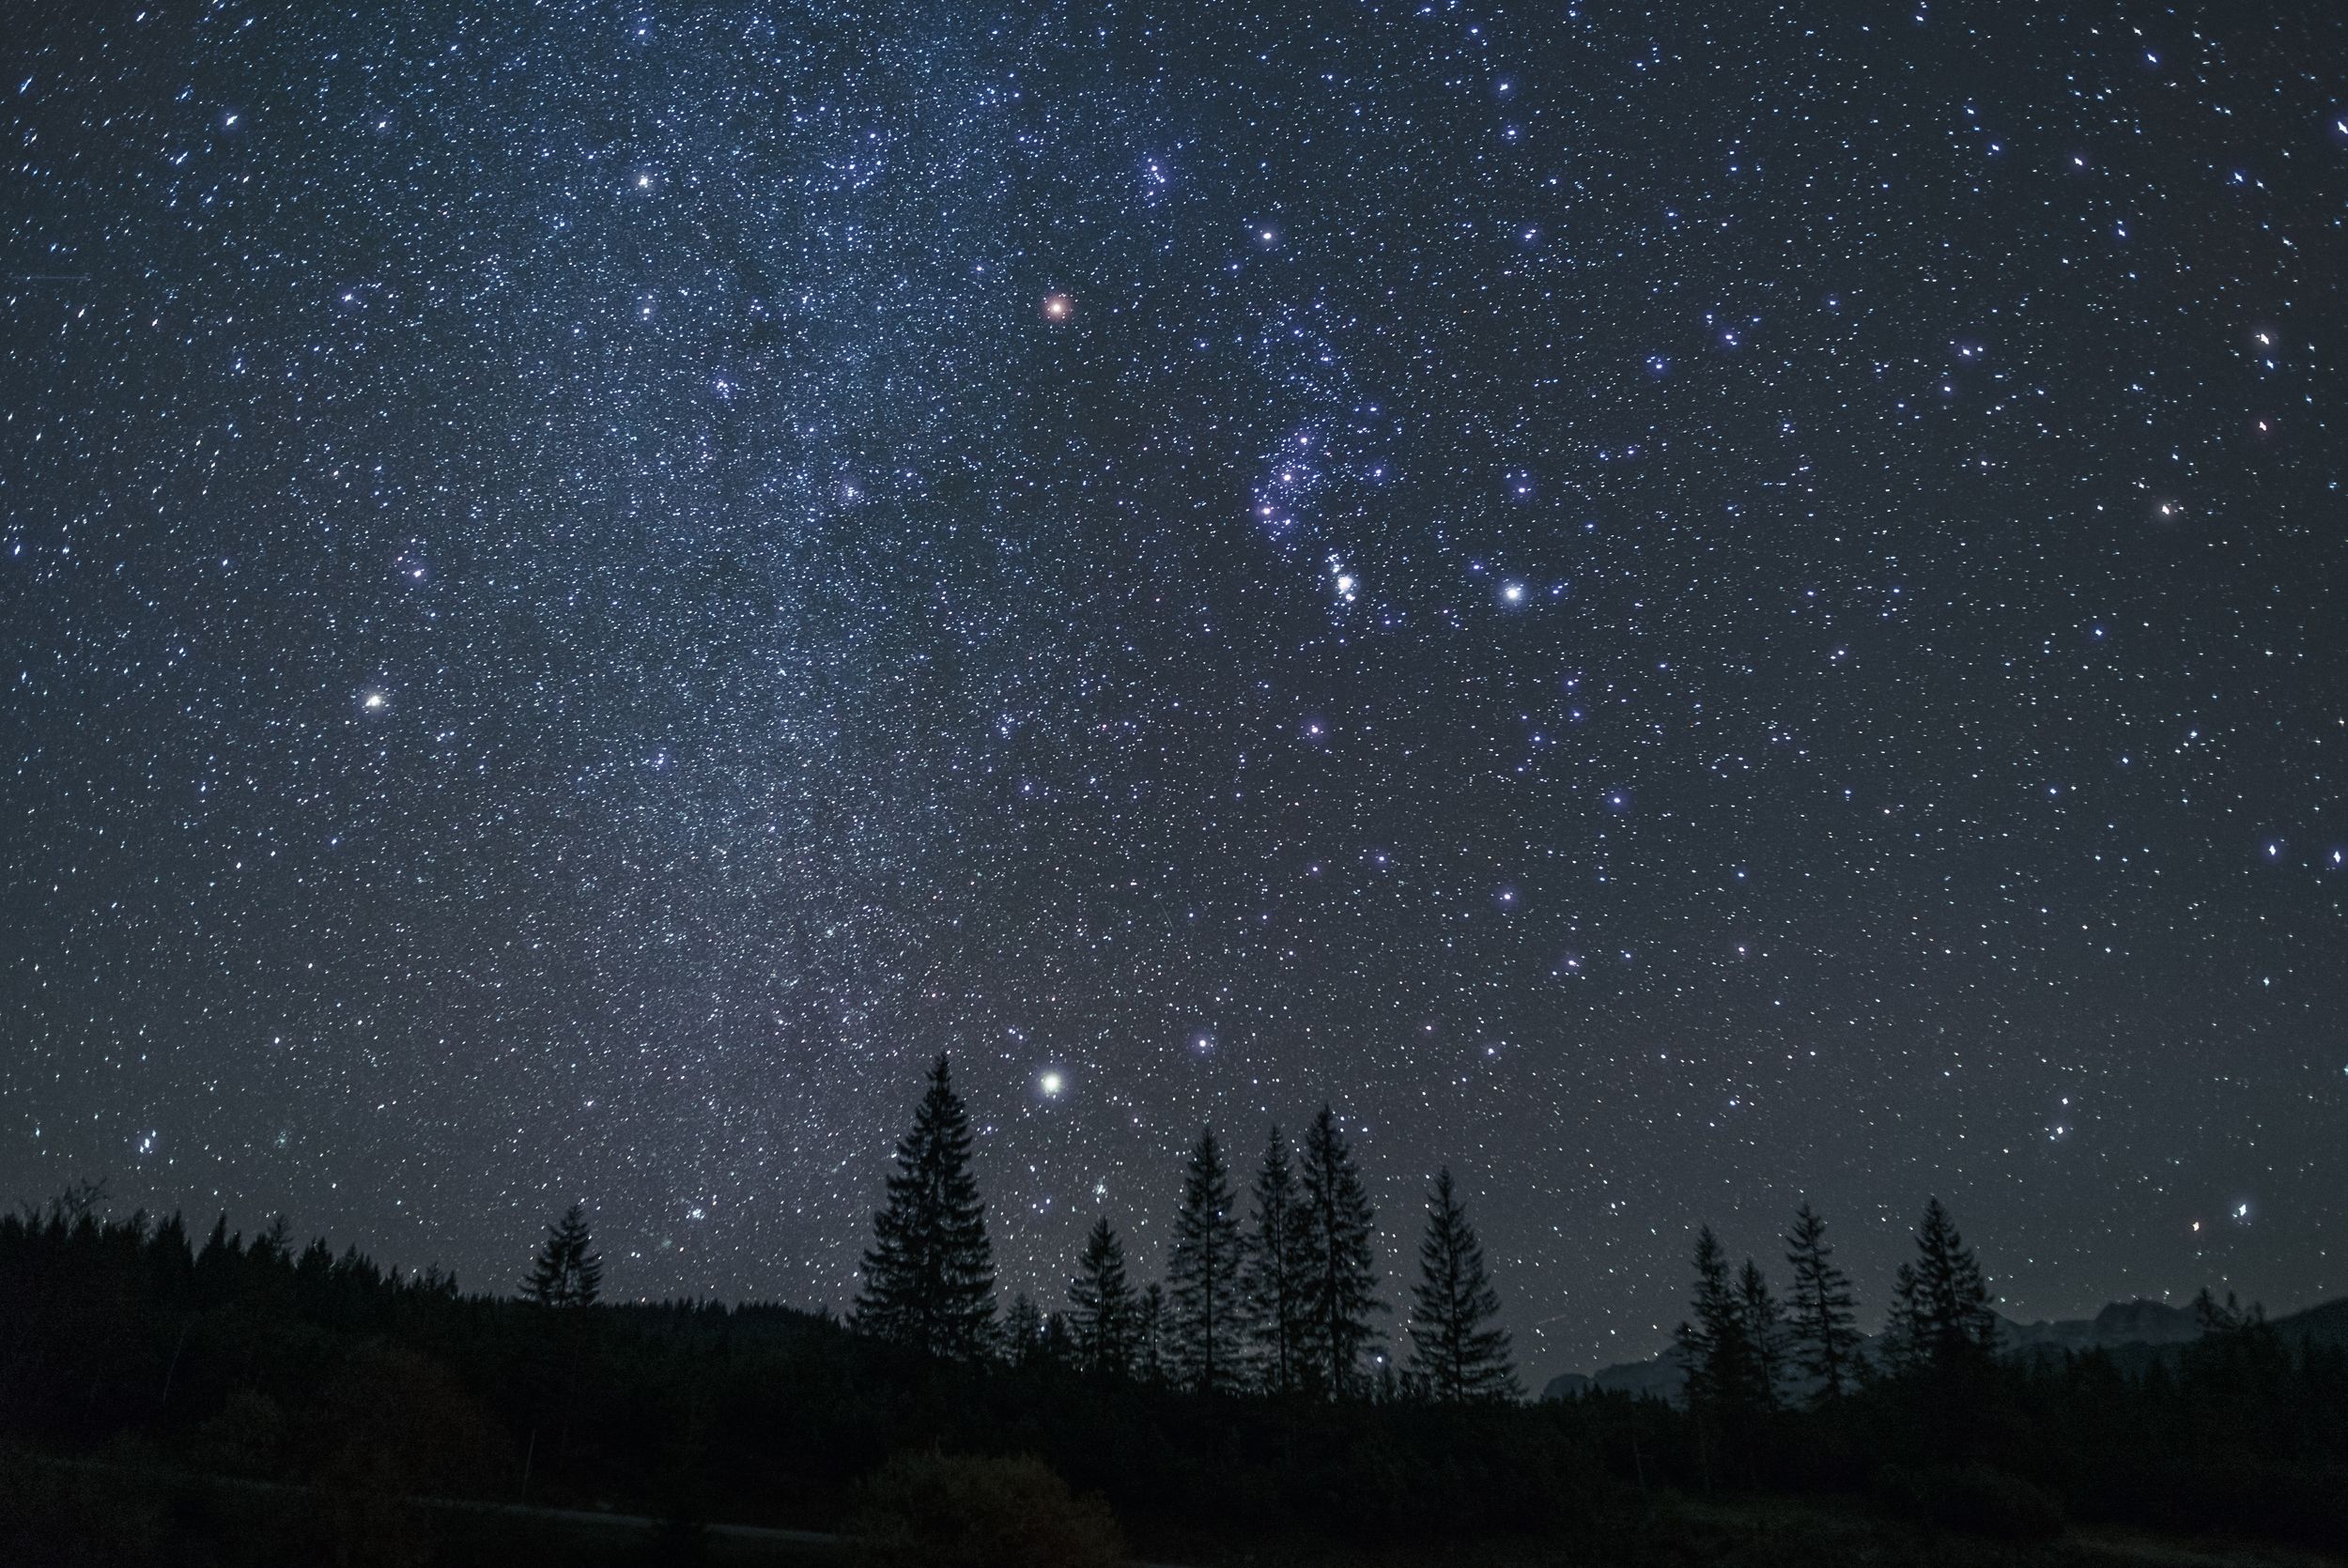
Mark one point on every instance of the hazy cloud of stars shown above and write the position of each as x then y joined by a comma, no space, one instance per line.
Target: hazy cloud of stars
1680,609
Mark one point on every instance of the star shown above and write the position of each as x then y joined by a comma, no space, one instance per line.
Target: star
810,651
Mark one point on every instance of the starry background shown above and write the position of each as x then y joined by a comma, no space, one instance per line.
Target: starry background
1680,606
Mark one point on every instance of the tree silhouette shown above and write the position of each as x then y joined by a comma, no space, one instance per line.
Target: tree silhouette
1150,1334
1020,1330
1340,1279
1457,1350
929,1279
1765,1331
564,1272
1723,1371
2230,1316
1823,1327
276,1243
1203,1274
115,1333
1273,1270
1057,1348
1940,1311
1101,1306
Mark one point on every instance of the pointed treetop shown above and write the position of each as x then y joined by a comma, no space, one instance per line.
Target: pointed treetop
929,1278
1822,1326
1457,1348
1203,1272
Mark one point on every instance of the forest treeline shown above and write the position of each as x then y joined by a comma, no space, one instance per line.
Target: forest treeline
1243,1398
1281,1301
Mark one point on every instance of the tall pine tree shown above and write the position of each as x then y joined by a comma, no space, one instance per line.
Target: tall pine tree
1273,1271
565,1272
1715,1340
1765,1331
1340,1279
1940,1311
1823,1327
1101,1306
1203,1275
1457,1351
929,1279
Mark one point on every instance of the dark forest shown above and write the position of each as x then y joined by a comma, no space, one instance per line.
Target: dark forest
236,1399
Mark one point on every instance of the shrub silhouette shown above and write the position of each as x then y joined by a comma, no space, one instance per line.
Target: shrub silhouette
942,1511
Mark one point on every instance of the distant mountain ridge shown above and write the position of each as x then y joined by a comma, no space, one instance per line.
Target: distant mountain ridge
2121,1325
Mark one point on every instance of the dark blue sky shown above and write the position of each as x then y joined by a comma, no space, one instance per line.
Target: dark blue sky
1681,607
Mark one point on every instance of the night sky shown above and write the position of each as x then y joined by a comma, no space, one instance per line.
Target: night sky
1682,608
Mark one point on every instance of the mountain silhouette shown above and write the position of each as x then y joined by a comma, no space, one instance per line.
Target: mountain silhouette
2139,1323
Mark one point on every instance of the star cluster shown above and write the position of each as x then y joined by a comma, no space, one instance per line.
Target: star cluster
1680,609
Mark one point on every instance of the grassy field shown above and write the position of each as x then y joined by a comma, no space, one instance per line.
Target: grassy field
1678,1531
76,1514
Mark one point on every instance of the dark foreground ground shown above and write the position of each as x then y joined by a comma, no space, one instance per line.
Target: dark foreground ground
77,1514
239,1404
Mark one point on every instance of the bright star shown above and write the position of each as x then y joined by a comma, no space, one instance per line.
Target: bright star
1051,1083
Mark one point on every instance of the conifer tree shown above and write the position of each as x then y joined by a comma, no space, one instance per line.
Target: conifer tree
1722,1370
275,1244
565,1271
1940,1311
1824,1326
1765,1331
1057,1348
1150,1334
929,1279
2216,1319
1021,1331
1458,1351
1340,1279
565,1276
1273,1271
1101,1305
215,1264
1203,1274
